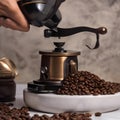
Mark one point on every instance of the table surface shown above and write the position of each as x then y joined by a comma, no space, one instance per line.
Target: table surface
19,102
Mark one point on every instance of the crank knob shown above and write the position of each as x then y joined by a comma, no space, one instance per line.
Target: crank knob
102,30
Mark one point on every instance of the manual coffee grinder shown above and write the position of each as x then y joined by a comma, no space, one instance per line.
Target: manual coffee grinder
58,63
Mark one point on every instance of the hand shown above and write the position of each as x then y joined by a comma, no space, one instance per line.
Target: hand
14,18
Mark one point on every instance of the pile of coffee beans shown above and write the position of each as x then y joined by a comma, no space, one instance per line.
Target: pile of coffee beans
86,83
64,116
11,113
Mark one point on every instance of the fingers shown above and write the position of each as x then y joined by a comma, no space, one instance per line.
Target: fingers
14,17
8,23
17,16
2,13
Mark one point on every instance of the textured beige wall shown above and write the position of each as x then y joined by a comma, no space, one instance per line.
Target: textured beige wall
23,48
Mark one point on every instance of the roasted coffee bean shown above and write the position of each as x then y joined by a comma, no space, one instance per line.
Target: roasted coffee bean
98,114
86,83
8,113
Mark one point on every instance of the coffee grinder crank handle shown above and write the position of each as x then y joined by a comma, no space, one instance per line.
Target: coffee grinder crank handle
64,32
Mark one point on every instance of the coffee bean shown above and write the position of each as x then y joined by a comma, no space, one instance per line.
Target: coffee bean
8,113
86,83
98,114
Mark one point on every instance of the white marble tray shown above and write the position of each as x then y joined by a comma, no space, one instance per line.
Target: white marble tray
61,103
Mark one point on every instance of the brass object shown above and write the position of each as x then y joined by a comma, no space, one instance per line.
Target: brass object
55,66
73,67
7,68
60,54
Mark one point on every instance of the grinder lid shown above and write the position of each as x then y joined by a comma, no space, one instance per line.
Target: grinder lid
59,51
60,54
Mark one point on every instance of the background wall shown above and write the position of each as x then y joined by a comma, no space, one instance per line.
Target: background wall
23,48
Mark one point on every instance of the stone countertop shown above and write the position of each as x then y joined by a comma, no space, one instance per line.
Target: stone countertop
19,102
